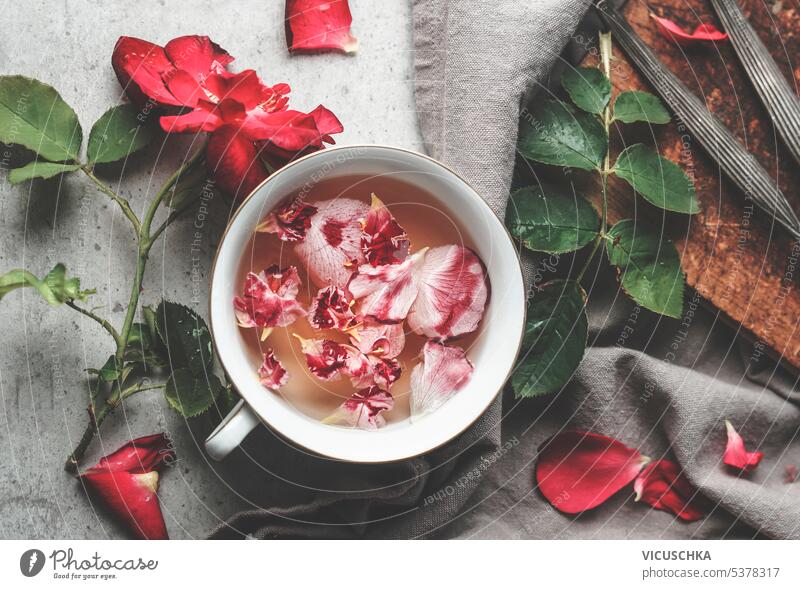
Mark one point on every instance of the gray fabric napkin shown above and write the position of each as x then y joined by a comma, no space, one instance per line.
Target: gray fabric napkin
662,385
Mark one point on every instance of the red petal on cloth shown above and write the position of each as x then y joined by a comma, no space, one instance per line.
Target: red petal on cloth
272,374
319,25
126,481
269,299
326,359
289,223
663,485
444,370
736,455
452,293
387,292
364,409
331,309
383,240
577,471
140,67
331,250
197,55
234,163
385,340
702,34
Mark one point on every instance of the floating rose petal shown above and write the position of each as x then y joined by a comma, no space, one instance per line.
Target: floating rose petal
387,292
452,293
126,482
385,371
269,299
331,250
319,25
332,309
290,222
442,372
383,240
702,34
735,453
386,340
326,359
663,485
578,470
272,374
363,410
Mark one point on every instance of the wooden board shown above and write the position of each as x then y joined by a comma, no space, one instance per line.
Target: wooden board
731,253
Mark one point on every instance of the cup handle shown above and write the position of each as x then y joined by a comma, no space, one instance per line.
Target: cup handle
231,431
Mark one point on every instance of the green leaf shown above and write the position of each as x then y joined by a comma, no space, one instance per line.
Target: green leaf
185,335
555,133
555,339
192,394
32,114
143,349
117,134
633,106
39,169
657,179
545,219
650,269
110,372
188,187
56,288
588,87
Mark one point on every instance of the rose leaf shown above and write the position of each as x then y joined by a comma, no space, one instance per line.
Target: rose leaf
191,394
588,87
117,134
633,107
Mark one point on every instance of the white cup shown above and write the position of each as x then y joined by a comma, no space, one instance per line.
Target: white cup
493,353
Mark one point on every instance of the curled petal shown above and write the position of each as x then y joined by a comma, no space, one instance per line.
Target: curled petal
704,33
385,340
245,88
326,359
387,292
452,293
289,223
198,55
289,130
233,162
140,455
184,87
578,470
140,67
443,371
383,240
202,118
663,485
269,299
736,455
331,250
363,410
319,25
272,374
327,123
331,309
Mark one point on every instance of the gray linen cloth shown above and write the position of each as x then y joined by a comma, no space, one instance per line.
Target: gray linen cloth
664,386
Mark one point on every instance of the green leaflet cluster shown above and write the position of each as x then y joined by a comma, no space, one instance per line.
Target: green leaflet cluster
550,219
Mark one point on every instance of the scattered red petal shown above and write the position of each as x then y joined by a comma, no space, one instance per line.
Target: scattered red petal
364,409
319,25
704,33
383,241
577,471
234,163
126,482
269,299
331,250
272,374
332,309
385,340
387,292
444,370
290,222
735,453
663,485
791,474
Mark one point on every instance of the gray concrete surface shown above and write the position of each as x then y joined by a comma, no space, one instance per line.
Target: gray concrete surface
43,351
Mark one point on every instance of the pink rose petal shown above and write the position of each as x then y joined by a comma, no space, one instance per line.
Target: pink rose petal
736,455
388,291
269,299
442,372
386,340
383,240
363,410
326,359
289,223
272,374
331,309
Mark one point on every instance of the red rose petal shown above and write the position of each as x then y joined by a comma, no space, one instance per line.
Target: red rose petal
704,33
140,455
246,89
577,471
272,374
443,371
327,123
385,340
197,55
663,485
234,163
331,309
735,453
269,299
331,250
319,25
385,371
364,409
202,118
452,293
289,223
387,292
383,240
184,87
140,67
326,359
